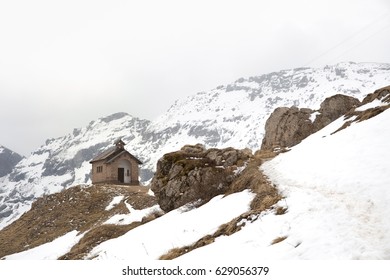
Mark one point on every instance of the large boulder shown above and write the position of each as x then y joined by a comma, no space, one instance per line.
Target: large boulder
195,174
287,127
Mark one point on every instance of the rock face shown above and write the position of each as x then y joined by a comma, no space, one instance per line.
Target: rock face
194,174
287,127
8,160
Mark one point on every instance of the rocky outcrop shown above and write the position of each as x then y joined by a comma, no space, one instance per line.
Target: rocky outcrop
194,174
287,127
382,94
370,107
332,108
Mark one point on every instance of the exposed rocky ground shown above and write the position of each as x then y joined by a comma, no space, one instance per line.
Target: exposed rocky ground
78,208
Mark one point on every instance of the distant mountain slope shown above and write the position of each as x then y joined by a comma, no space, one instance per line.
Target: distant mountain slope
235,114
229,115
8,160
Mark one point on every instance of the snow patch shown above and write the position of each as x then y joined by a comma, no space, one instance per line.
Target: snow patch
313,116
134,216
115,201
373,104
49,251
150,192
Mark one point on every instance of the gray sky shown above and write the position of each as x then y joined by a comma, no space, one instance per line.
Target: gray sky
65,63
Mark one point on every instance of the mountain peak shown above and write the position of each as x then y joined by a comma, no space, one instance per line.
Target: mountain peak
8,160
115,116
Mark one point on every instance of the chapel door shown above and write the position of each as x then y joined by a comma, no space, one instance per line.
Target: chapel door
121,175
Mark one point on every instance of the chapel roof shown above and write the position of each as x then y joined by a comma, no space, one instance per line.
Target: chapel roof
112,153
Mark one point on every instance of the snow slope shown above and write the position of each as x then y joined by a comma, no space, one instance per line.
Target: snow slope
337,193
180,227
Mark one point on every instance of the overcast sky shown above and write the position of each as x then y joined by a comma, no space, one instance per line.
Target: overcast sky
65,63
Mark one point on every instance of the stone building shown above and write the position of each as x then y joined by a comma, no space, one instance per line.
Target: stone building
115,166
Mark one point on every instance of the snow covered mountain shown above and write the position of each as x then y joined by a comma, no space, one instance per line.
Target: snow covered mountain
334,206
235,114
8,160
229,115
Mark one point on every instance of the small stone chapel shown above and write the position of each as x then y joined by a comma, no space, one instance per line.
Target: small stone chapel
115,166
